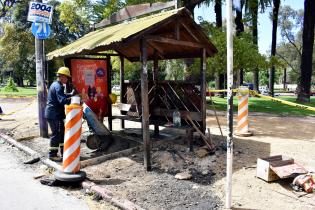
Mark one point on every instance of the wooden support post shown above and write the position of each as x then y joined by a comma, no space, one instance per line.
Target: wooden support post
190,140
155,67
109,79
203,89
122,79
156,130
145,105
155,79
41,87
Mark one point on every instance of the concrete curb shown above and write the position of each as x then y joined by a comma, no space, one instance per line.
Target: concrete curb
109,197
29,151
11,96
104,193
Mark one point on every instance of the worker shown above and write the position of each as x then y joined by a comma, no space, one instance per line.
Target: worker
55,112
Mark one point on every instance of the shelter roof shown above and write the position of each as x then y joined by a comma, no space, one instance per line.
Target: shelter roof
172,34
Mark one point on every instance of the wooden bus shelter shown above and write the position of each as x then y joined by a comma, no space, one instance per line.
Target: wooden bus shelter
168,35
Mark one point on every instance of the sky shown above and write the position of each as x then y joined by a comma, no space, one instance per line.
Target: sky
264,22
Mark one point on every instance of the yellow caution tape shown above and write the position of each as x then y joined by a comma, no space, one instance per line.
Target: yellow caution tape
300,106
221,91
254,93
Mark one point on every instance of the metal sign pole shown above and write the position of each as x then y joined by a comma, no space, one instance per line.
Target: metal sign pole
40,82
229,155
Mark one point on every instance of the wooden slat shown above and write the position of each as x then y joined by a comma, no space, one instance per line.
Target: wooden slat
125,117
155,67
205,139
169,113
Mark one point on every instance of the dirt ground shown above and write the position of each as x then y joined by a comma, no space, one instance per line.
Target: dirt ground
125,176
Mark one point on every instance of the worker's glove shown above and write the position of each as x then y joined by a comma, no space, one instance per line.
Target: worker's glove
72,93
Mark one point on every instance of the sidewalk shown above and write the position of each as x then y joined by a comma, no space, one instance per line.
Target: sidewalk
19,191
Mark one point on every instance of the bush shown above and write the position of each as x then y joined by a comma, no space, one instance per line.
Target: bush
11,87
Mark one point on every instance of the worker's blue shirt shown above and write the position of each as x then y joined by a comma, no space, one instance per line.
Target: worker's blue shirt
56,102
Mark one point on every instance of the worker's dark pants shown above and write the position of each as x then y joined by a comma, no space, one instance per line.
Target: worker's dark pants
56,140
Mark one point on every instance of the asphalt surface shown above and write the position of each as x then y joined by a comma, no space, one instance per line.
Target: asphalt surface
19,191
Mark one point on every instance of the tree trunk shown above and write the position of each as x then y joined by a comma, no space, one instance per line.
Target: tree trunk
275,11
285,79
240,77
304,86
218,13
218,22
20,82
239,29
254,13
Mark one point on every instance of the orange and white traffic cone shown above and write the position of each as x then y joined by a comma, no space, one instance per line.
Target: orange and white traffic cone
242,118
71,152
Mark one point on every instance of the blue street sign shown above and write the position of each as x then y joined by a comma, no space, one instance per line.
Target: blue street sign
40,30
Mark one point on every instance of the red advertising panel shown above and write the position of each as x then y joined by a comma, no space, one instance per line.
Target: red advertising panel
89,77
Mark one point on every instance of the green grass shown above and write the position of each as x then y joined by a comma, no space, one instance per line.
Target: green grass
23,91
267,106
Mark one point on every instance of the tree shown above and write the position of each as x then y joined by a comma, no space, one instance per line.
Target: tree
275,11
252,7
5,6
104,8
60,33
246,54
219,78
290,48
304,85
239,30
76,15
17,52
17,43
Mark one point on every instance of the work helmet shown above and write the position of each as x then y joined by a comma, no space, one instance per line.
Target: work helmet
113,98
64,71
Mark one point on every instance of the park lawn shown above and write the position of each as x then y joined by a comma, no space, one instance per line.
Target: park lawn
23,92
267,106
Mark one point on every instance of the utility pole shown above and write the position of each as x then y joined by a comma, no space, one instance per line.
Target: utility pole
229,140
41,87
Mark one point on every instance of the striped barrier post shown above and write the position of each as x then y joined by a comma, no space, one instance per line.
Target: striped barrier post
71,155
242,118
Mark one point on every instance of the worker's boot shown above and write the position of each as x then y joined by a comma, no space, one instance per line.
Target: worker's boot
56,159
61,151
53,155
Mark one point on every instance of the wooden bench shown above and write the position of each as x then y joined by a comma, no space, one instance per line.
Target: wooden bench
161,117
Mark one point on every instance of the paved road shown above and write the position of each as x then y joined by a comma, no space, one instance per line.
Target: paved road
19,191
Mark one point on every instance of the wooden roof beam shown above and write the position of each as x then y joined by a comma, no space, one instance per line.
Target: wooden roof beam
190,31
160,51
173,41
135,11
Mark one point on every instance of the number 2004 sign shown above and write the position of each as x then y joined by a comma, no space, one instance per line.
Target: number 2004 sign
39,12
